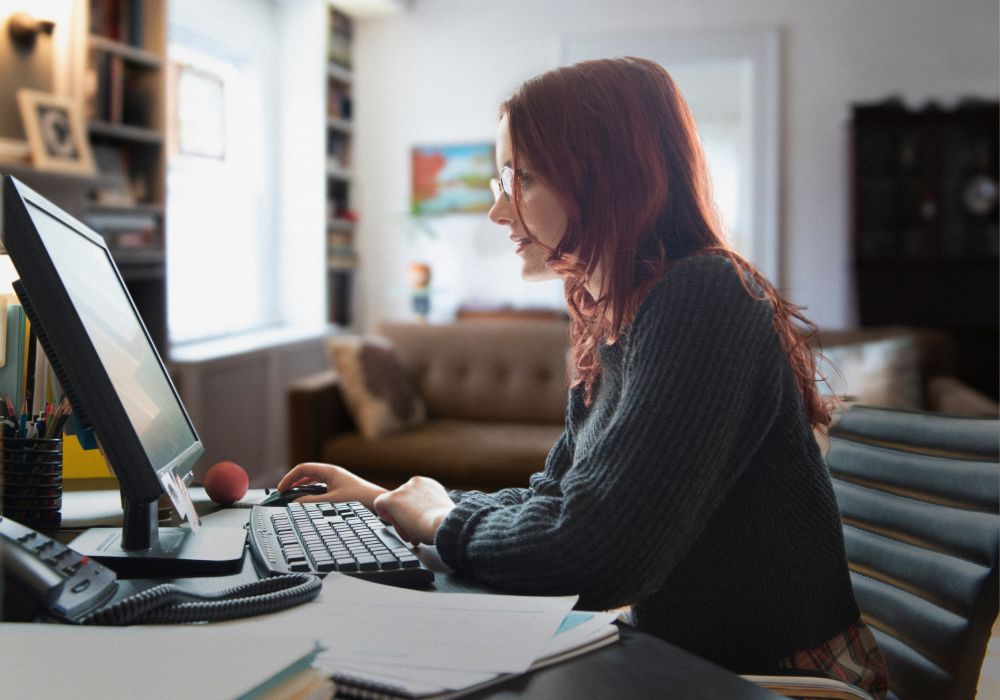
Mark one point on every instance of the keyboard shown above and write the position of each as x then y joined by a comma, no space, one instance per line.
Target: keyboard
343,537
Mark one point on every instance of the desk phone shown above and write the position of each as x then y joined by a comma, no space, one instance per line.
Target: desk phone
66,584
45,580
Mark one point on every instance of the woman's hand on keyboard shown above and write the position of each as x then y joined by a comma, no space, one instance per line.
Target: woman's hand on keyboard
341,485
415,509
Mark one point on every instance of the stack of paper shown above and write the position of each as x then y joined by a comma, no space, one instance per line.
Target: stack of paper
581,632
404,643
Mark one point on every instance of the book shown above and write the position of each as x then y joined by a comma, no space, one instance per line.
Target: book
15,350
307,684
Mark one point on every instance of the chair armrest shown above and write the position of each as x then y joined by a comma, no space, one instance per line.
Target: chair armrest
316,413
809,687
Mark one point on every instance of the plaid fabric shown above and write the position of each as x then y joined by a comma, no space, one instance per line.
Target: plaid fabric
852,656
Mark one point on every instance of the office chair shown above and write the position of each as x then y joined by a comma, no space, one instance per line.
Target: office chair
918,496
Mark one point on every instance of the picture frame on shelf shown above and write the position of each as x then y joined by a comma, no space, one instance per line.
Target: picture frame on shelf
452,179
57,135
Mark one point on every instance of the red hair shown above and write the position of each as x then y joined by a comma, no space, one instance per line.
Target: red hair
615,142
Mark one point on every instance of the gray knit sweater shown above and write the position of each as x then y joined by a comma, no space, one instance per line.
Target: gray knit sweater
691,488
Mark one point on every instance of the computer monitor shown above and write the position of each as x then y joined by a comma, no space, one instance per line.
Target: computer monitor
116,382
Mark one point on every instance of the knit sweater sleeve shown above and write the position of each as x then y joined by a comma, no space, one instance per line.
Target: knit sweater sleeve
556,462
700,390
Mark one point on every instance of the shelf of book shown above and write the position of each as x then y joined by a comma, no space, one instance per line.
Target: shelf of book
341,254
124,99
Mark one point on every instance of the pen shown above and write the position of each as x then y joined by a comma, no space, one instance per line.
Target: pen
22,426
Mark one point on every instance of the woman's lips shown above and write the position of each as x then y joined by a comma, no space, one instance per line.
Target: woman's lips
522,243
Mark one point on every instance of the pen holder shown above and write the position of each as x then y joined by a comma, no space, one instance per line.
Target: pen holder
31,480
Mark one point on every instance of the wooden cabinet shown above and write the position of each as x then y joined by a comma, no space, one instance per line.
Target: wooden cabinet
340,219
925,194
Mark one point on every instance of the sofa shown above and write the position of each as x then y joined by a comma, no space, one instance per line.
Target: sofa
897,367
495,394
495,397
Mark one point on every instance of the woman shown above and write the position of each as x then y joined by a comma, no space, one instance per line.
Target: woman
687,482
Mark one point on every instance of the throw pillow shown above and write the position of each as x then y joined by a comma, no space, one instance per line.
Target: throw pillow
874,373
375,386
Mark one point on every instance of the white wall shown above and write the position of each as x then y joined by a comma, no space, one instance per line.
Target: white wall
438,73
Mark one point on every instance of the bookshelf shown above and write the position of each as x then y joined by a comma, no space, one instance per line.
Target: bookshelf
341,254
123,94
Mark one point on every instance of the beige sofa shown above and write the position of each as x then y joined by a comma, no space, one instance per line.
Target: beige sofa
495,393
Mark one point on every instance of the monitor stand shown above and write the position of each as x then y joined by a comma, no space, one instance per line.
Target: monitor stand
142,549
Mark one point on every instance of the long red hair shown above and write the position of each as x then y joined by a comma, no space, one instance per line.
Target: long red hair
615,141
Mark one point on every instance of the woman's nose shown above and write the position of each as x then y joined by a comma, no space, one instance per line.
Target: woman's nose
502,212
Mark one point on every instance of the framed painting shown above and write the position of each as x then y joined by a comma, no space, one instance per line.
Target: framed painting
452,179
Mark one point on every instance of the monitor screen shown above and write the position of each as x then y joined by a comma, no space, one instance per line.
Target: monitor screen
121,343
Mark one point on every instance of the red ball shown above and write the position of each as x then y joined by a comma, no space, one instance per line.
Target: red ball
226,482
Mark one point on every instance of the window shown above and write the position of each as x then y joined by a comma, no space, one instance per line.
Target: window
219,211
717,92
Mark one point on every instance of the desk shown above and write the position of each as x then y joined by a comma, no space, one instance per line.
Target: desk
640,666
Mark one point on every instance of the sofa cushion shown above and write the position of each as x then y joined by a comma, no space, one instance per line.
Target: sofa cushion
510,371
459,454
375,387
884,372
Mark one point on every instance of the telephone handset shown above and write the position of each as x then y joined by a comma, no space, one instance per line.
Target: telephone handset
68,585
44,578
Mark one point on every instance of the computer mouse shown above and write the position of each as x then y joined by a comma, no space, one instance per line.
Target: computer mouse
282,498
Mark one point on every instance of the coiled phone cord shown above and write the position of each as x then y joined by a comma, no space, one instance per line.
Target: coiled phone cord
168,604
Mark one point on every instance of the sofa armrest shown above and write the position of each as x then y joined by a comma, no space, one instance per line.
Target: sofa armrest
316,412
950,395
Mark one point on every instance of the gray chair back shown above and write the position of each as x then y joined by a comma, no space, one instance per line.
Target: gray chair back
918,495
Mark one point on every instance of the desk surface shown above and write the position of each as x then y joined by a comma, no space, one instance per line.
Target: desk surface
640,666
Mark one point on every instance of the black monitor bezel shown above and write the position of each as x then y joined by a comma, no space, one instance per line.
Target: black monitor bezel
81,371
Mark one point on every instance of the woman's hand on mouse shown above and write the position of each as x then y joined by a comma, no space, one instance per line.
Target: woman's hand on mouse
416,509
341,485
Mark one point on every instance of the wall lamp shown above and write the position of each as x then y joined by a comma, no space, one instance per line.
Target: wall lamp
24,30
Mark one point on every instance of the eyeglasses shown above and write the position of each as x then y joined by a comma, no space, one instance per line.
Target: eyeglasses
505,183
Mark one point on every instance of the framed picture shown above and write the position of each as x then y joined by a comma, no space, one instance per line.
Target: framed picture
56,132
199,111
452,179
